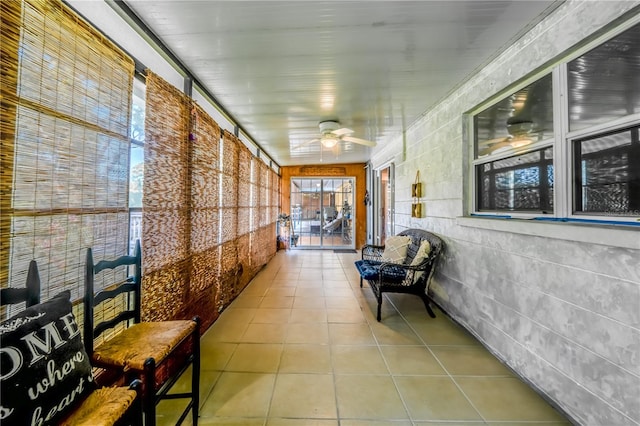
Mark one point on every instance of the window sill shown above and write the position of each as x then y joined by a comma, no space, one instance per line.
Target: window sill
591,233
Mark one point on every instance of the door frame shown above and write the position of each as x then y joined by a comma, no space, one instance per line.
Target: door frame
383,197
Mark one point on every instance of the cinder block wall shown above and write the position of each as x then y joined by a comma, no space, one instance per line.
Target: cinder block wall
560,304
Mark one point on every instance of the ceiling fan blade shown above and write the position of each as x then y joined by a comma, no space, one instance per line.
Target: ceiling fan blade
303,144
342,132
358,141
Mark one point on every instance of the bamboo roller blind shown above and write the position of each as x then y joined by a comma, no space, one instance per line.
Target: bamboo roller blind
205,214
65,121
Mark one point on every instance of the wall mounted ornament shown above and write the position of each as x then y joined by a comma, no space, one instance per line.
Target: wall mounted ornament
416,194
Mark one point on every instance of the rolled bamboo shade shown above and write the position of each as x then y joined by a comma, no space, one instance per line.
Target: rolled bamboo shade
166,201
65,147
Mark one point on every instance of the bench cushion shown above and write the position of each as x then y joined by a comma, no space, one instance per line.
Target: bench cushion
370,270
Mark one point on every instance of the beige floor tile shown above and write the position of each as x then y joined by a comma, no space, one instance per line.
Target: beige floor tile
265,333
171,409
368,397
240,395
233,315
394,333
284,283
470,361
350,334
313,292
338,302
227,331
304,396
215,355
308,315
317,333
357,360
309,282
301,422
435,398
281,292
256,357
447,334
558,423
247,302
309,302
375,423
328,283
276,302
271,316
348,315
506,399
230,421
411,360
306,359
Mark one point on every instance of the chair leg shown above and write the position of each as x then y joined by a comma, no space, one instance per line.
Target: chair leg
149,395
195,373
360,281
379,297
425,299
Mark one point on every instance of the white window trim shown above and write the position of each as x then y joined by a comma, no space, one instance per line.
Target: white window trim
562,142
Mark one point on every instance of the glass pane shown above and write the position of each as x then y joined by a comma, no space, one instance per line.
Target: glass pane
524,117
608,174
138,111
136,175
604,84
519,183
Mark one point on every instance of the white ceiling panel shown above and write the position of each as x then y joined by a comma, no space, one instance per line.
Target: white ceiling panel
279,68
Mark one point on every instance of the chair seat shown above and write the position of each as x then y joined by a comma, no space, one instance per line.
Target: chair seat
103,407
130,348
370,270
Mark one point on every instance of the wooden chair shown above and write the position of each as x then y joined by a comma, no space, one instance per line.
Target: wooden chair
29,294
107,406
156,352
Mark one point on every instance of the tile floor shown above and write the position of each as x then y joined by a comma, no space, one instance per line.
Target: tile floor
301,346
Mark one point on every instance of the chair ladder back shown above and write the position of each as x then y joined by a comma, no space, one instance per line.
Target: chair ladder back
29,294
130,286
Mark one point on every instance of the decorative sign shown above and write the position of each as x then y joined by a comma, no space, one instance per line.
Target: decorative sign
416,193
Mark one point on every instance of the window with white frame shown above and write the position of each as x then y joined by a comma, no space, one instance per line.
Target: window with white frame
538,153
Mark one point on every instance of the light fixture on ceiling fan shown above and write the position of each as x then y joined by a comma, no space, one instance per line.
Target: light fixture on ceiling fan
331,134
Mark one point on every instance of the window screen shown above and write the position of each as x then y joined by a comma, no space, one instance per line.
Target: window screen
607,174
520,183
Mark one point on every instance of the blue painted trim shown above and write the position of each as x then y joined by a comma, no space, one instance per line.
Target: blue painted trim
595,221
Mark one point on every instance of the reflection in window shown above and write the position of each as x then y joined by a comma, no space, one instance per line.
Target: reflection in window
604,83
519,183
607,178
520,119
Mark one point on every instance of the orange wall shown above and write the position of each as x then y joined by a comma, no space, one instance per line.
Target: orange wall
330,170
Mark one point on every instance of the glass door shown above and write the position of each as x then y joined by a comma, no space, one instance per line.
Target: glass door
322,212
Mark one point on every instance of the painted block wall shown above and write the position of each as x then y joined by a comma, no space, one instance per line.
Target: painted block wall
559,304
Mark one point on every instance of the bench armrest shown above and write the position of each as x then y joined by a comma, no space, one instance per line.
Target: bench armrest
372,252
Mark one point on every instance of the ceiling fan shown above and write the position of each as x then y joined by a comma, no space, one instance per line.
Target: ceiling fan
331,133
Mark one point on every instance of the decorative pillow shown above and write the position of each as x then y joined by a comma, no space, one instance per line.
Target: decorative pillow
44,369
395,248
423,253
